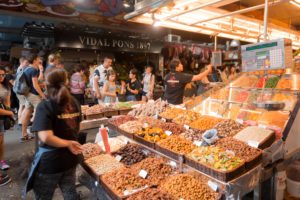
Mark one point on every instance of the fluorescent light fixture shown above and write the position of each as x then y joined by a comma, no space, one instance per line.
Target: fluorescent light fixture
295,3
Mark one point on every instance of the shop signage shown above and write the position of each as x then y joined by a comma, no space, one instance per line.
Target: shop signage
101,42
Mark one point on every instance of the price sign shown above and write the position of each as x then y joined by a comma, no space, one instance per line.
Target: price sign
168,133
253,143
186,127
143,174
118,158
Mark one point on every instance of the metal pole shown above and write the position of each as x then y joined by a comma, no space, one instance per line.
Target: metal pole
216,42
266,20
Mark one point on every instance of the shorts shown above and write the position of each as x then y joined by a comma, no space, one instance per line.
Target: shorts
32,100
22,100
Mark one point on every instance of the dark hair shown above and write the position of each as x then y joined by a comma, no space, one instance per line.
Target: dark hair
32,57
174,63
56,87
6,84
134,72
77,68
110,73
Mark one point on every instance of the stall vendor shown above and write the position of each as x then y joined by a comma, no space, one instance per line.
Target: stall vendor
176,81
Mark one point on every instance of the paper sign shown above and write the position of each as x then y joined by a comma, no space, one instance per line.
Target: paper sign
262,126
118,158
163,119
186,127
197,143
145,125
126,193
253,143
168,133
143,174
213,185
240,121
173,163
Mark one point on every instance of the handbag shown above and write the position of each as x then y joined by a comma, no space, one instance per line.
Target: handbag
8,121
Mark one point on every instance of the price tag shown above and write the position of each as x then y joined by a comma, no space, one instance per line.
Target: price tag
146,152
126,192
168,133
262,126
213,185
186,127
118,158
143,174
253,143
163,119
156,116
197,143
173,163
145,125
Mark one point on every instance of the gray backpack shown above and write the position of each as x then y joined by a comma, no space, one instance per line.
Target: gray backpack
21,85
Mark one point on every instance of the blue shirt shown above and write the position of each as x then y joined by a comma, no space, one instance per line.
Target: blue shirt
29,74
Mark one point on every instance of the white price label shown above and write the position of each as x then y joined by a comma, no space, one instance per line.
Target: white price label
197,143
213,185
240,121
168,133
143,174
253,143
163,119
262,126
145,125
118,158
173,163
126,192
155,116
186,127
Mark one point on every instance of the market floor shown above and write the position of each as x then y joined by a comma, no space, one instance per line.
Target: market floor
19,157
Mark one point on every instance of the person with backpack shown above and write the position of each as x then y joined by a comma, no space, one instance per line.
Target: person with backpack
148,84
99,78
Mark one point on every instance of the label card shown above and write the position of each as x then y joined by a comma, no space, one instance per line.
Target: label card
143,174
186,127
197,143
173,163
213,185
168,133
253,143
118,158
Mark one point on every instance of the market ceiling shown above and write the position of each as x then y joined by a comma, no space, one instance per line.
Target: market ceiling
213,17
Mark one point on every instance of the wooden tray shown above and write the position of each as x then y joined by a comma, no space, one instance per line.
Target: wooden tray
120,131
254,162
220,175
268,142
169,153
110,113
143,141
124,111
94,116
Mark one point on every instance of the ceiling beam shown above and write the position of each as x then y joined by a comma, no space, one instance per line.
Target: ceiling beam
224,3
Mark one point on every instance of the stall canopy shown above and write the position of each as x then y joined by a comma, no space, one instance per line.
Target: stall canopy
242,20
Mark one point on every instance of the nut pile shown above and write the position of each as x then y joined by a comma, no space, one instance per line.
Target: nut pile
187,118
150,121
185,186
192,135
177,144
103,164
90,150
171,113
205,123
239,148
96,109
132,126
124,179
151,193
228,128
131,154
151,108
174,128
157,169
121,120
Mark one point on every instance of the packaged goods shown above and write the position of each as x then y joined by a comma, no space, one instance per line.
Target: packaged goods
177,144
90,150
103,164
272,82
228,128
216,158
130,154
185,186
255,134
132,126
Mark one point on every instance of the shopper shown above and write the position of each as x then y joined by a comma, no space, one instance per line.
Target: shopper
77,84
99,78
57,124
232,73
5,100
53,61
133,86
175,81
110,88
148,84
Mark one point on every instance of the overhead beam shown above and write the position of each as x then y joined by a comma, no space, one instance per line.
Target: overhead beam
241,11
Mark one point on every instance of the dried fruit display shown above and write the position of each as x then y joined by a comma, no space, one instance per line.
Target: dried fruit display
115,143
251,115
216,158
289,100
239,96
245,81
174,128
150,121
171,113
151,193
96,109
261,83
222,94
131,154
124,180
90,150
253,97
232,112
275,118
177,144
151,108
185,186
272,82
284,83
192,135
132,126
103,164
123,105
240,149
205,122
228,128
152,134
187,118
121,120
157,169
264,96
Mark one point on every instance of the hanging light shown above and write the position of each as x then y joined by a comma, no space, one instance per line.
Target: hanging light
296,3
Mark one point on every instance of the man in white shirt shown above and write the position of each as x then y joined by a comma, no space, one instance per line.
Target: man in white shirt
100,77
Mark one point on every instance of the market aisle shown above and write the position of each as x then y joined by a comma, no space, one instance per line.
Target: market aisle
18,156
